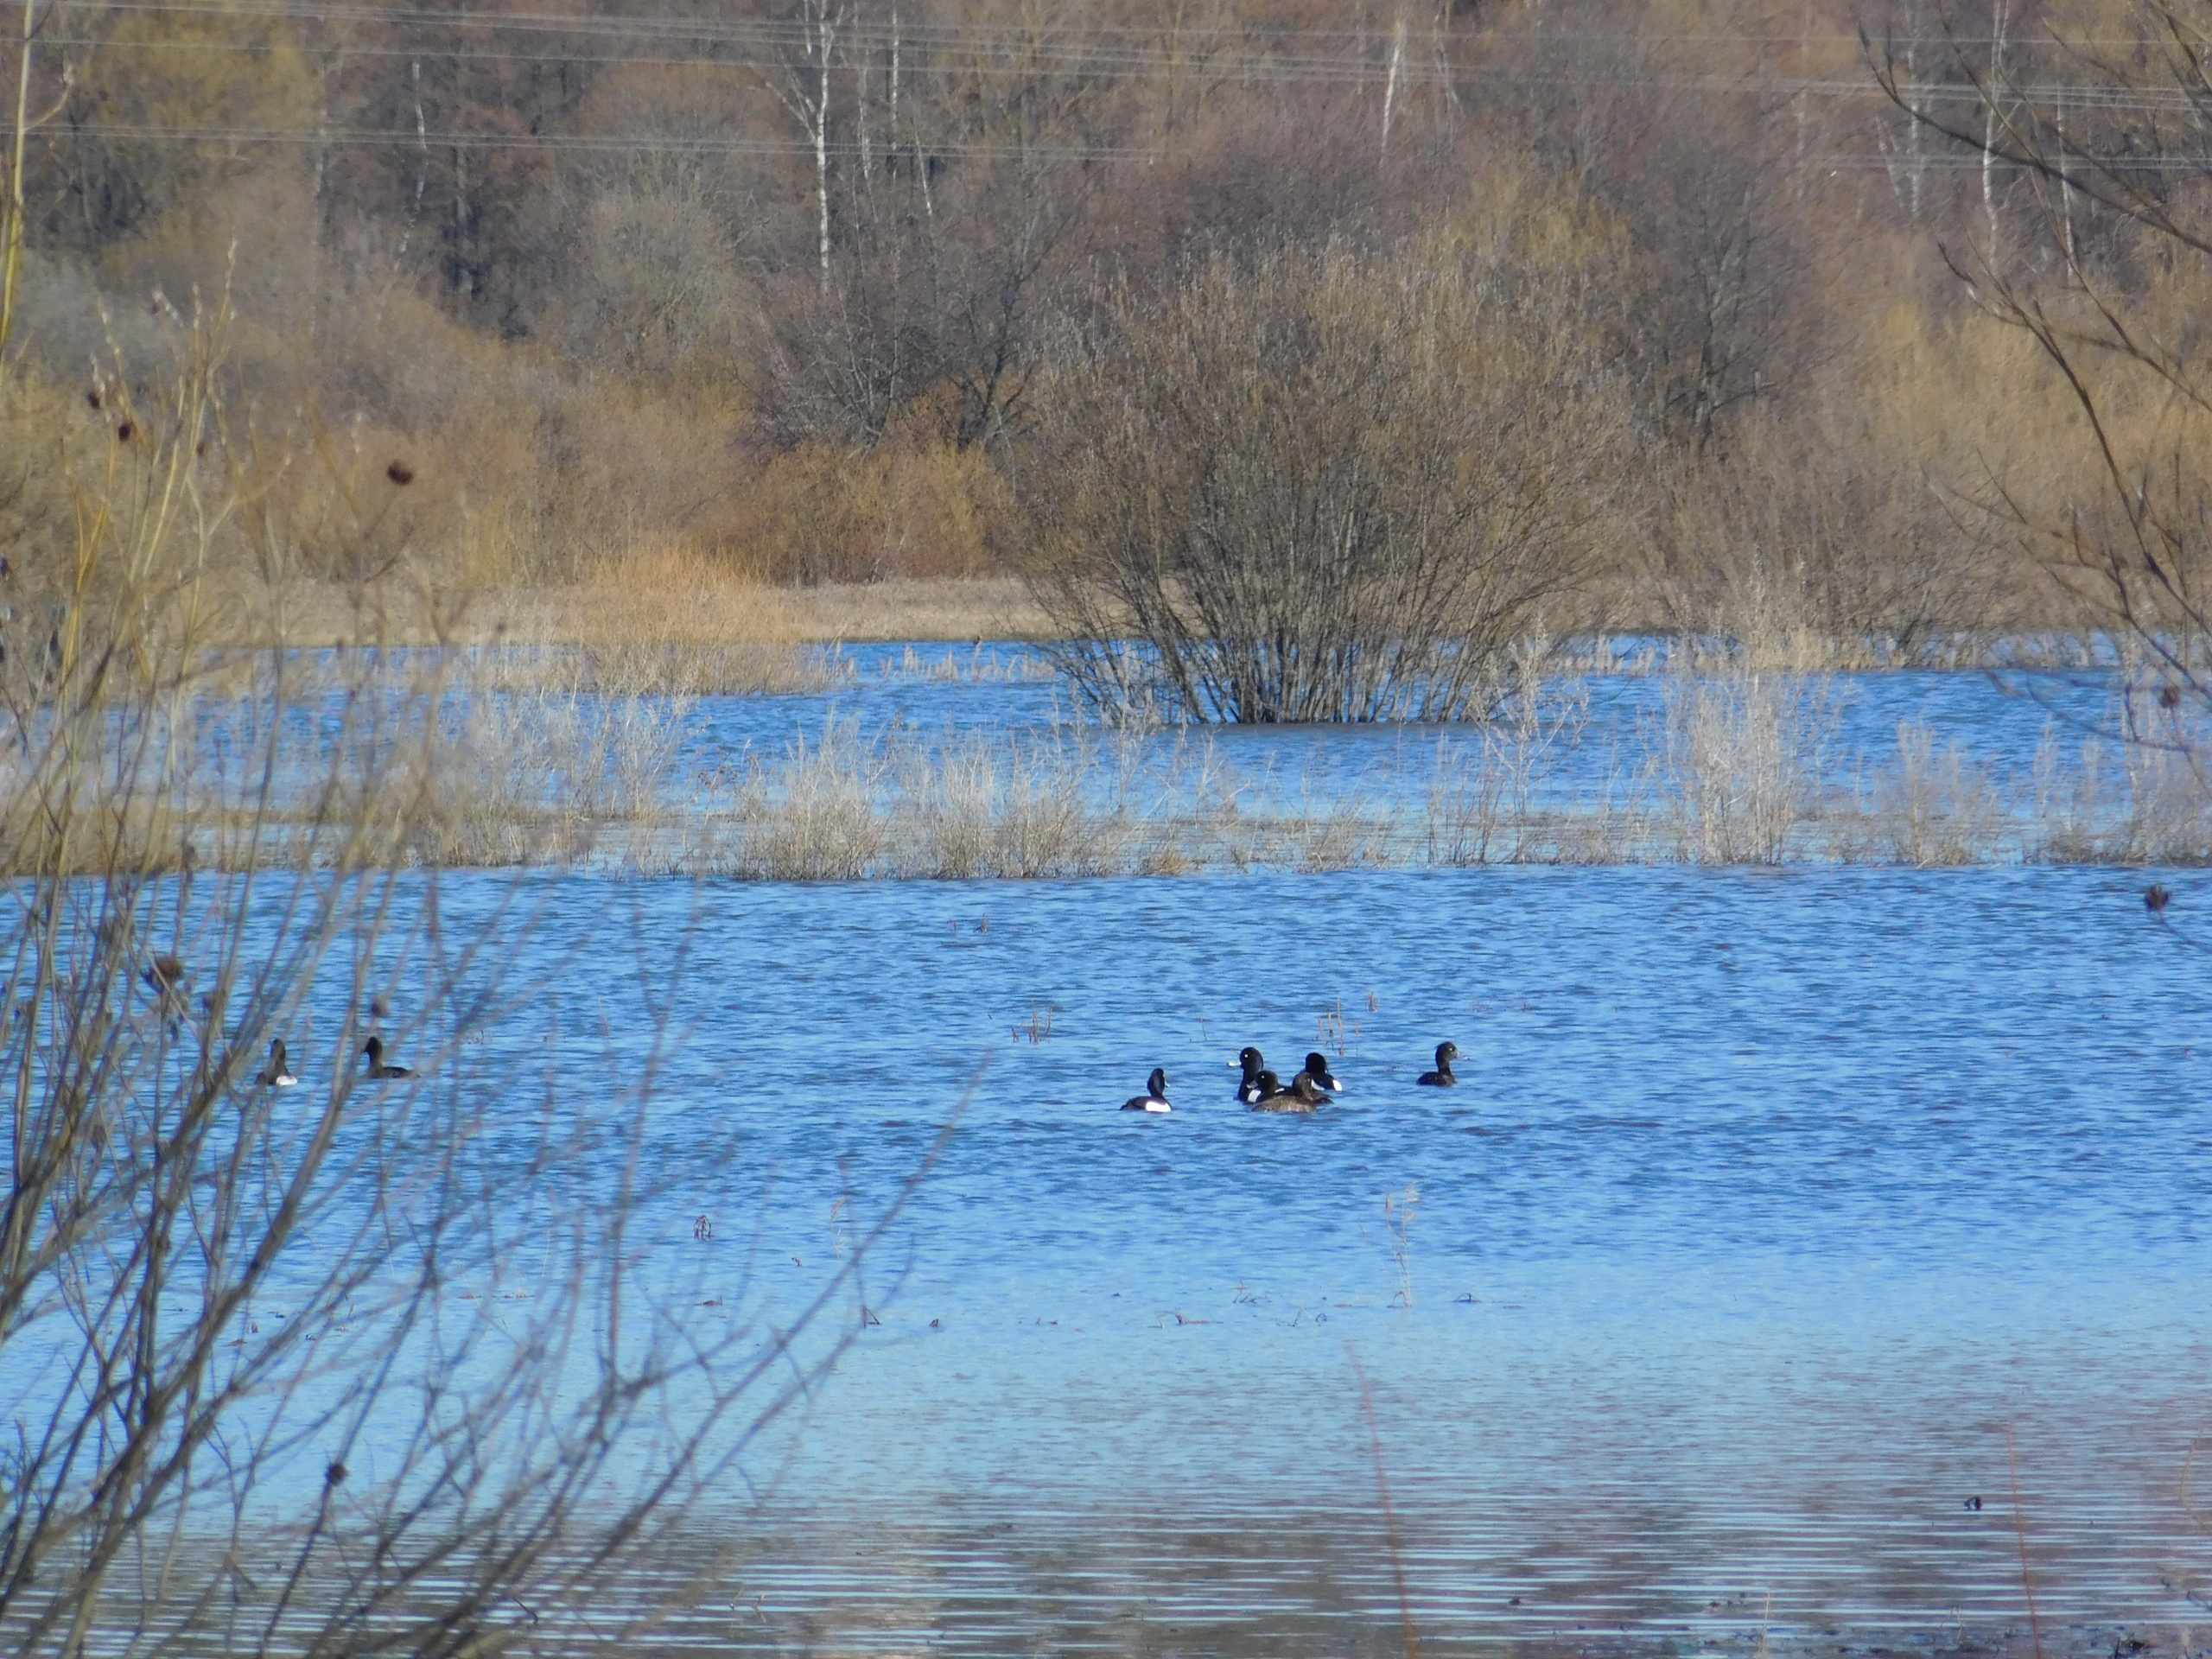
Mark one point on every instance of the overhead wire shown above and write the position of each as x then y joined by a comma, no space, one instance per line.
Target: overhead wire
985,49
640,19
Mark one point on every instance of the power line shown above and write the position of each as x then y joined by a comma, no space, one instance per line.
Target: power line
1781,87
1092,42
688,144
677,143
914,30
989,50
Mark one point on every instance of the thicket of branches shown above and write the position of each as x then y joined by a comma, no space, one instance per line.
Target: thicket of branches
779,286
355,1365
1328,486
2100,118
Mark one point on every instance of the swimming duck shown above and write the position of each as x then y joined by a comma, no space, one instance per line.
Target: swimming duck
1249,1092
1304,1095
1441,1077
277,1074
373,1051
1154,1098
1316,1067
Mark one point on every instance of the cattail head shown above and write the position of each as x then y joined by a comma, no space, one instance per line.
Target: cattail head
400,474
123,430
93,397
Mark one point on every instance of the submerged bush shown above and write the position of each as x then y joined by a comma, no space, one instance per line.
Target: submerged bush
1327,486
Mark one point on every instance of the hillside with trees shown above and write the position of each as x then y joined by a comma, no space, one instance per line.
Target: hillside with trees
846,289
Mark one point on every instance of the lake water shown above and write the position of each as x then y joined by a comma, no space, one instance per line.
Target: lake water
1777,1217
932,690
1815,1255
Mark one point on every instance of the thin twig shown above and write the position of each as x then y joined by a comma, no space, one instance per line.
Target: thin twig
1389,1511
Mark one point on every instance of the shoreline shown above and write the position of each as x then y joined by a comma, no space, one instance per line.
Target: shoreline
645,613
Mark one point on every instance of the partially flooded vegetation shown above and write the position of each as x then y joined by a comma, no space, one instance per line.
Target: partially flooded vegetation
649,663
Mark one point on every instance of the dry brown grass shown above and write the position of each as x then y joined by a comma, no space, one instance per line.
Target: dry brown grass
651,600
981,607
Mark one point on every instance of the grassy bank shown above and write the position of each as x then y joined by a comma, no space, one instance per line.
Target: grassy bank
646,601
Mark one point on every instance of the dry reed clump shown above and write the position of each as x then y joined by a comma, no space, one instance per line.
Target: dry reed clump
1937,806
978,805
2169,819
1499,802
389,760
1743,752
1010,808
1732,770
1065,802
543,777
441,764
655,621
817,815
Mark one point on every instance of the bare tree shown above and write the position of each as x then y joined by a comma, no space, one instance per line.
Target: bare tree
806,87
1323,486
2111,123
926,299
24,119
296,1352
1718,317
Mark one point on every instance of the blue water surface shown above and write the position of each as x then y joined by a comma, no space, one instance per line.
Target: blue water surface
1776,1215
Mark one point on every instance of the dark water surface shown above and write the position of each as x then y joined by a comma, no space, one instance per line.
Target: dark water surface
1777,1216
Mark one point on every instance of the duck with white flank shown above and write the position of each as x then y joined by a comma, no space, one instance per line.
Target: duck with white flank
1441,1077
1249,1091
373,1052
1154,1098
277,1074
1304,1095
1316,1067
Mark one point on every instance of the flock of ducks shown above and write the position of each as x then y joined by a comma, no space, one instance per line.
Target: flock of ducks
170,979
277,1074
1263,1091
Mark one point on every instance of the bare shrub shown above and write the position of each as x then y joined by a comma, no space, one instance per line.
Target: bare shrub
260,1395
815,817
1743,752
1824,541
1937,806
2169,819
1487,806
1327,486
828,513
